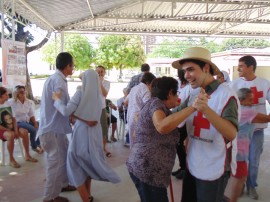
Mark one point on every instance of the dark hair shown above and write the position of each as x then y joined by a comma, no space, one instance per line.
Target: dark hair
147,78
161,87
243,93
198,62
100,66
145,67
181,76
3,90
3,114
16,91
249,60
63,59
18,87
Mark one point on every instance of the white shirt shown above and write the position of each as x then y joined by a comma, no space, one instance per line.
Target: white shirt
261,92
23,111
106,85
137,97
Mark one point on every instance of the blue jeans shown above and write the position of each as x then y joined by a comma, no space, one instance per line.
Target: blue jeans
149,193
196,190
33,131
255,151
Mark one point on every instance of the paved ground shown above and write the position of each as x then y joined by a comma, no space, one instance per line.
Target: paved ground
26,184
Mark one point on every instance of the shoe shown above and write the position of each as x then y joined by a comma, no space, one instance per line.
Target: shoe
91,199
39,150
58,199
68,188
113,139
176,172
14,164
126,145
253,194
180,175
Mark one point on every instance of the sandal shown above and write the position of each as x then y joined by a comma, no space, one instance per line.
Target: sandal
14,164
31,159
108,154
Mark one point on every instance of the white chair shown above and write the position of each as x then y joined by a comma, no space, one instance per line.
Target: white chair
3,146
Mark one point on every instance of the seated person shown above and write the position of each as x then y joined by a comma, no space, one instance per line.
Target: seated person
24,113
111,119
9,130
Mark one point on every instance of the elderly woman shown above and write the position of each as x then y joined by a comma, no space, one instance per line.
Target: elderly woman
152,156
24,113
9,133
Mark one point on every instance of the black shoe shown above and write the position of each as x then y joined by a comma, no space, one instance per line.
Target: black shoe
68,188
176,172
180,175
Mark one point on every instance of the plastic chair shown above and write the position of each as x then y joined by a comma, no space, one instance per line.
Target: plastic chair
3,146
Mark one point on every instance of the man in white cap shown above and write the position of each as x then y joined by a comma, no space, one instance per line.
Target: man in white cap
211,129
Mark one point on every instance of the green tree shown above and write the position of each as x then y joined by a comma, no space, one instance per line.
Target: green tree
78,45
170,48
233,43
120,51
174,48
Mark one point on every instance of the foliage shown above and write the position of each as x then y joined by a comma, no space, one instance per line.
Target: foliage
78,45
234,43
170,48
174,48
120,51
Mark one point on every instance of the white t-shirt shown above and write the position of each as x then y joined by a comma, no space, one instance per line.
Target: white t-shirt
106,85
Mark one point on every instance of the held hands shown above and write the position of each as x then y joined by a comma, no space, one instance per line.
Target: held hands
57,95
91,123
201,101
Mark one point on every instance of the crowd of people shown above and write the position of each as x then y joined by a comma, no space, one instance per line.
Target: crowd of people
215,126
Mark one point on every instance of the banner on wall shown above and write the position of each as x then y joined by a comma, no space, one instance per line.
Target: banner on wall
13,63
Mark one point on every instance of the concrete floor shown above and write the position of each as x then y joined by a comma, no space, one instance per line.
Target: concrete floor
26,183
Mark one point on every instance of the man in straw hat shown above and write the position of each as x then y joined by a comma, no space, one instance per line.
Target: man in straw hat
211,129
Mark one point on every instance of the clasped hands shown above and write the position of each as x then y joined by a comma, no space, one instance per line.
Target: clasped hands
201,101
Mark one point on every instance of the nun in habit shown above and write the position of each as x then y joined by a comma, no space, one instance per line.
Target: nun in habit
86,159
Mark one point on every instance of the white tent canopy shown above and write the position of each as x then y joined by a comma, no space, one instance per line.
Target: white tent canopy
218,18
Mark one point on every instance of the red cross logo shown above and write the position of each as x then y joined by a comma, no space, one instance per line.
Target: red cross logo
200,122
256,95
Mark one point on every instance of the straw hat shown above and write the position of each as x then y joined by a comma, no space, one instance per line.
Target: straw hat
197,53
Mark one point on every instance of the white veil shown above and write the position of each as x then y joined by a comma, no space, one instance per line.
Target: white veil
90,104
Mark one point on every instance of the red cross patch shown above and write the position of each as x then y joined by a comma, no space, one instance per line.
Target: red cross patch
199,122
256,95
